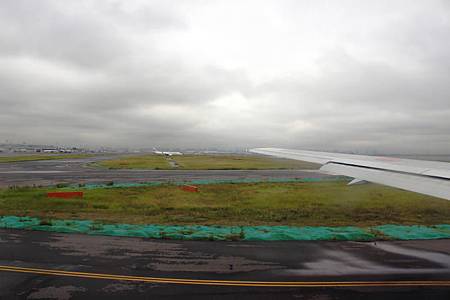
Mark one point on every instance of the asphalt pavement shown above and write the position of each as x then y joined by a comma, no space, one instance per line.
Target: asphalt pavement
42,265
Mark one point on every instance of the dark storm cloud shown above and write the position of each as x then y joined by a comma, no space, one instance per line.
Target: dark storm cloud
364,77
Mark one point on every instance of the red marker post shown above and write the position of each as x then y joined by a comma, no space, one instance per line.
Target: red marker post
65,195
189,188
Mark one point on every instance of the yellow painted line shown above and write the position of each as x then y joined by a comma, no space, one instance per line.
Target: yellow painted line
226,282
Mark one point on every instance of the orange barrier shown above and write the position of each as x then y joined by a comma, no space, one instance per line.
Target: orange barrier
189,188
65,195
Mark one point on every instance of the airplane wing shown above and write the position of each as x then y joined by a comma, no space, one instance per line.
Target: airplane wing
425,177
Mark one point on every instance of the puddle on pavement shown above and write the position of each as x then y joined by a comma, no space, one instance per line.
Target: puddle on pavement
344,263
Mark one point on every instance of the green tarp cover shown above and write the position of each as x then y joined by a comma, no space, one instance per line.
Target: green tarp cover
248,233
415,232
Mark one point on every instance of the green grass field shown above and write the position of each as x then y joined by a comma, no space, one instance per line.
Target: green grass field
19,158
300,204
206,162
149,161
247,162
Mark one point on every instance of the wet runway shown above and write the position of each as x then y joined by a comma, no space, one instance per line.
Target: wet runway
40,265
78,171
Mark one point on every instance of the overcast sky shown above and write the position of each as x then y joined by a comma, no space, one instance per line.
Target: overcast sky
370,76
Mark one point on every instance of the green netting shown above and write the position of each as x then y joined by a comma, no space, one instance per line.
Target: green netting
206,181
118,185
280,233
18,222
415,232
248,233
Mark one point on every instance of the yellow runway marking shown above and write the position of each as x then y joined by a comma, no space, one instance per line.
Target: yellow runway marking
227,282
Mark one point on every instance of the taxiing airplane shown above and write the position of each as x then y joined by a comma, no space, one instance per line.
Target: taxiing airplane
421,176
167,153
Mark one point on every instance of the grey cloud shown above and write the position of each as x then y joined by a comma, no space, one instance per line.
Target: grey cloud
95,73
41,28
83,34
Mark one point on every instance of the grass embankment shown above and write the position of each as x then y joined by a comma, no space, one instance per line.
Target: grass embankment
206,162
19,158
298,204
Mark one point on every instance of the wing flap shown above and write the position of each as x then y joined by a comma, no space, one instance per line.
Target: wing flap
425,185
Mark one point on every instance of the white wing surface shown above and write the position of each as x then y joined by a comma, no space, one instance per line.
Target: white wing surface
425,177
